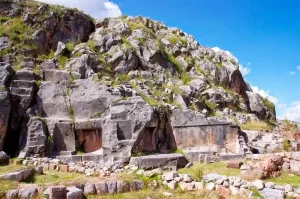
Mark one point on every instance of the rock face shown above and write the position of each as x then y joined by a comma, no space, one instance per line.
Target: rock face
121,87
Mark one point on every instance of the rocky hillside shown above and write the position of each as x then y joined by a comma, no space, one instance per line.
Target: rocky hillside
46,52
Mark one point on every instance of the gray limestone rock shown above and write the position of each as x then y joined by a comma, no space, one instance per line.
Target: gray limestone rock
272,194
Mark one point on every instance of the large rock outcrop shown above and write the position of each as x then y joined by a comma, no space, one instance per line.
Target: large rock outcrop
120,87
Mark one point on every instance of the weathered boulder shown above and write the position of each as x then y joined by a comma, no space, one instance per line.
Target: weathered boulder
4,158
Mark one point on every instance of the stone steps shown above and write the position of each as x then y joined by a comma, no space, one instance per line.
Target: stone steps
24,75
22,83
63,153
21,91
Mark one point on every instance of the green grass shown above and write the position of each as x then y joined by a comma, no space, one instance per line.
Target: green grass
211,107
11,167
70,46
268,104
149,100
2,88
4,19
46,56
218,167
256,125
7,185
158,194
71,114
127,44
17,67
174,62
62,60
58,178
36,70
286,145
185,77
91,45
285,178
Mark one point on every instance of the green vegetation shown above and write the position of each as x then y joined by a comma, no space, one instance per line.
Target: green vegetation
173,61
4,19
211,106
2,88
124,78
256,125
217,167
286,178
286,145
174,39
256,194
96,115
71,114
70,46
62,60
58,178
11,167
268,104
46,56
17,67
185,77
179,151
7,185
134,26
149,100
36,70
91,45
158,194
127,44
289,125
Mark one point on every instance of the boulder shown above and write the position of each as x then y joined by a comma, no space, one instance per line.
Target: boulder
268,193
4,158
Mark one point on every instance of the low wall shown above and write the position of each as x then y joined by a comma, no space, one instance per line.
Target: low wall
207,138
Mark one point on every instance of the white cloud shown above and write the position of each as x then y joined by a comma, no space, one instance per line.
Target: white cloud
292,73
298,67
291,112
244,70
96,8
265,94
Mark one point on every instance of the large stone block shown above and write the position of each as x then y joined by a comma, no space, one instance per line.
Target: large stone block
58,192
160,160
63,137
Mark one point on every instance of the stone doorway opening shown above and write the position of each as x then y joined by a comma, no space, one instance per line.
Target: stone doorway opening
89,140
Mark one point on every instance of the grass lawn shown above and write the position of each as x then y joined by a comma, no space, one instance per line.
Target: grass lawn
10,168
285,178
201,169
158,194
6,185
58,178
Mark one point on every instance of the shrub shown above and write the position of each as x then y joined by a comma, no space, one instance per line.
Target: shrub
36,70
185,77
286,145
71,114
173,61
268,104
46,56
127,44
17,67
62,60
91,45
70,46
211,106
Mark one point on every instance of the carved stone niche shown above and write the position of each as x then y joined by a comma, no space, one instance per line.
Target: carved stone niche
90,140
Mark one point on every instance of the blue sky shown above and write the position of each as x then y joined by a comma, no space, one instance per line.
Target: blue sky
263,34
